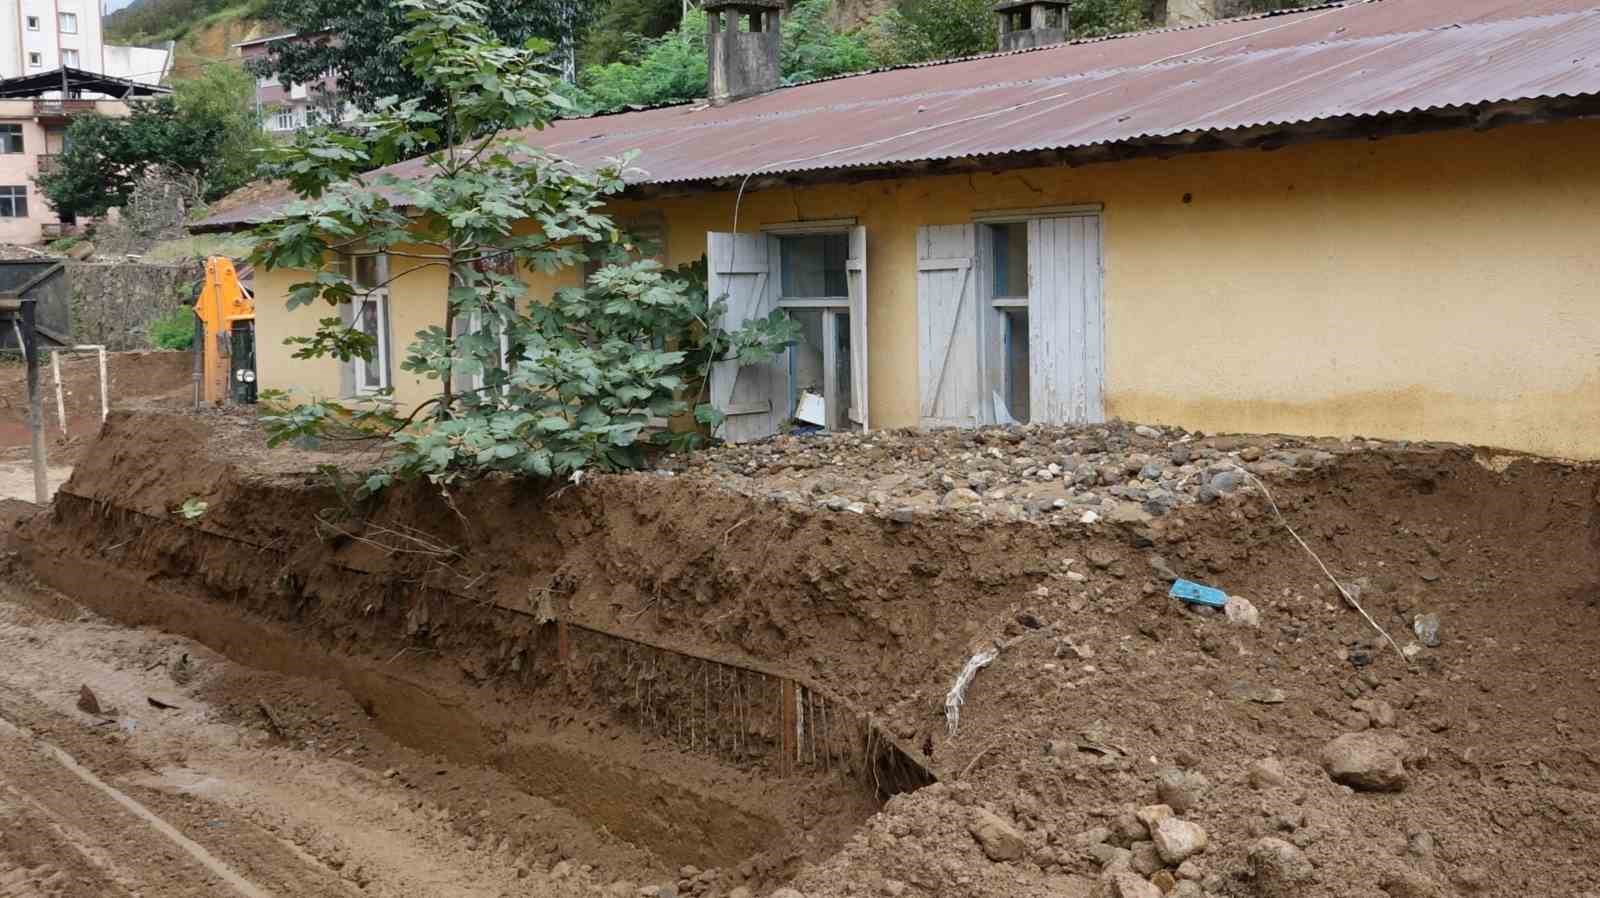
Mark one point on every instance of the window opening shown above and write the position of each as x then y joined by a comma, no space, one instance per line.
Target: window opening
815,293
10,138
1008,260
14,202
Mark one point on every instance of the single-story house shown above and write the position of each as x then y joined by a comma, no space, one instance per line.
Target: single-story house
1378,217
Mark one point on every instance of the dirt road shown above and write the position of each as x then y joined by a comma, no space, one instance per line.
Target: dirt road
137,800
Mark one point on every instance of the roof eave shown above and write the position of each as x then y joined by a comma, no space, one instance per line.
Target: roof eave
1267,137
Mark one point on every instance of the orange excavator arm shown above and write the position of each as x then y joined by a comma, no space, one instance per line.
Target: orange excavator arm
222,302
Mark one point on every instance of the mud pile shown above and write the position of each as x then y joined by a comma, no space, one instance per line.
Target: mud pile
663,654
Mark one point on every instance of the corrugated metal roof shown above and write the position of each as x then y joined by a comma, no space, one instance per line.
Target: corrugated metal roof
1369,58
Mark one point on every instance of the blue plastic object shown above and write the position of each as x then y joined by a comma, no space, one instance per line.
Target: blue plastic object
1197,594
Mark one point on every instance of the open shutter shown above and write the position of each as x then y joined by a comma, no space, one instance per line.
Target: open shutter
740,272
947,326
1066,331
347,370
856,274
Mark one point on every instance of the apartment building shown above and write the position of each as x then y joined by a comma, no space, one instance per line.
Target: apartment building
40,35
286,108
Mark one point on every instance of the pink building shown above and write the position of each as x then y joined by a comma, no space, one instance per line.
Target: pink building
286,109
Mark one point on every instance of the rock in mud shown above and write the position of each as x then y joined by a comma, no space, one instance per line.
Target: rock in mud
1178,840
1426,627
999,839
1268,773
1146,859
786,893
88,702
959,498
1181,790
1242,612
1367,762
1278,867
1127,884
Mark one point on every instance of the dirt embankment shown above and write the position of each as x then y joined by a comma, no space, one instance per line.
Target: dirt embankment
610,643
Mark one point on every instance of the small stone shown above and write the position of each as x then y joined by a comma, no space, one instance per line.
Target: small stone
1367,762
786,893
1426,626
88,702
1148,432
1110,856
1146,860
1164,881
1178,839
905,514
1227,481
999,839
1278,864
1379,712
1242,612
1192,869
1268,773
1182,790
1421,844
1127,884
960,497
894,888
1250,453
1098,835
741,892
1187,889
1151,815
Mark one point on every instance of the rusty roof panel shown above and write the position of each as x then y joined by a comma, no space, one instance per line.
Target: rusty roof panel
1366,58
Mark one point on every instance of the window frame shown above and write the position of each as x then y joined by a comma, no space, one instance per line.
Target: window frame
377,294
61,22
77,58
35,23
992,323
8,130
16,197
35,59
836,313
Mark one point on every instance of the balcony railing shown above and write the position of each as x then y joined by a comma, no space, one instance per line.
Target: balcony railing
62,108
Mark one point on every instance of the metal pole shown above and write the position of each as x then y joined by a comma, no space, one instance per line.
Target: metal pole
30,349
61,395
199,357
105,387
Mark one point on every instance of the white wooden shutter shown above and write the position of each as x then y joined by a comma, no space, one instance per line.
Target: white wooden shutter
856,274
1066,325
742,272
461,382
947,326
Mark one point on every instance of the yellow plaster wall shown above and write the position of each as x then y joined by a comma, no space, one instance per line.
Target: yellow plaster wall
1432,287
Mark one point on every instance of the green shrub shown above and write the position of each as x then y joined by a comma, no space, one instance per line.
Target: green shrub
62,244
172,329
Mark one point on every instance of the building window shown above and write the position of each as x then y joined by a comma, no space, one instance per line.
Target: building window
10,138
33,23
13,202
35,59
69,23
1008,303
369,314
286,119
815,293
69,57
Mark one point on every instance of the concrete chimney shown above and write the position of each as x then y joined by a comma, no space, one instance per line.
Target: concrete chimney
742,42
1025,24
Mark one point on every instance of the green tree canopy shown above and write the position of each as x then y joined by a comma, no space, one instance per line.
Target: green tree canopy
532,385
359,40
208,127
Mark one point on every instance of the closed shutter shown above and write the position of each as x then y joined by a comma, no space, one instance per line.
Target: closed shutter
1066,326
740,272
947,326
347,370
856,274
460,381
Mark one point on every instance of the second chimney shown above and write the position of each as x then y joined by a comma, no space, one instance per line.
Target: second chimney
1025,24
742,42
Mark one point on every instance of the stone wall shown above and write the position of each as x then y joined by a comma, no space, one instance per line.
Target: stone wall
113,302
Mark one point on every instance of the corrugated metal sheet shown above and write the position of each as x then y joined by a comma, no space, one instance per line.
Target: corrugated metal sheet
1359,59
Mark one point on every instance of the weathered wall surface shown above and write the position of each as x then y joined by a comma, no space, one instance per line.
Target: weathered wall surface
112,303
1436,287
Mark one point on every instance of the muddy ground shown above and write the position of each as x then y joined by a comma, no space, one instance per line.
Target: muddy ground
721,671
159,377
